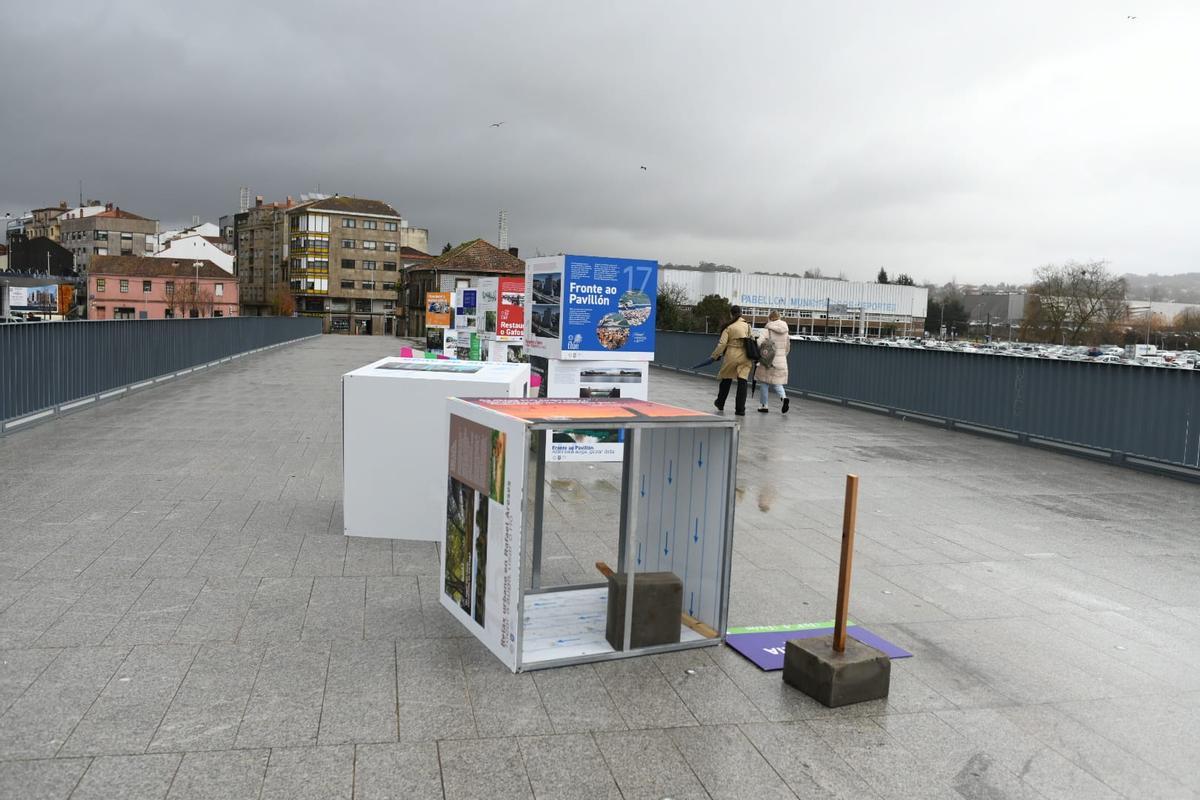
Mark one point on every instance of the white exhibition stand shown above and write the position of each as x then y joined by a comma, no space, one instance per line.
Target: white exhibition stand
394,440
676,519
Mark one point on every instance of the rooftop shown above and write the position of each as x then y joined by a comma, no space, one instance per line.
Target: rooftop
354,205
181,616
476,255
155,267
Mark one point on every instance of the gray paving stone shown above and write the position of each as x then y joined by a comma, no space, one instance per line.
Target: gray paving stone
576,701
40,720
93,616
220,775
504,704
26,619
394,771
705,689
432,698
647,764
157,613
484,768
321,554
128,777
727,764
284,709
367,556
273,556
40,780
393,608
642,694
217,613
568,767
19,669
277,610
360,699
336,609
208,707
125,716
310,773
809,765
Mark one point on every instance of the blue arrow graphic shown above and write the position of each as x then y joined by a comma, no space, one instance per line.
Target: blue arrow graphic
700,460
670,466
696,531
665,550
639,558
691,603
643,484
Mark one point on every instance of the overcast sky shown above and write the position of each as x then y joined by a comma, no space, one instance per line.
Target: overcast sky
957,139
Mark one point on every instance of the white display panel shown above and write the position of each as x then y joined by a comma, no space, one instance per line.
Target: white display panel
682,503
482,521
394,440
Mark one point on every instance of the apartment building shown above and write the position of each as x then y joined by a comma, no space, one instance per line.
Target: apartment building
112,232
447,272
146,287
337,257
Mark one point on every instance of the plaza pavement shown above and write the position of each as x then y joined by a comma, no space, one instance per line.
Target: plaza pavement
181,617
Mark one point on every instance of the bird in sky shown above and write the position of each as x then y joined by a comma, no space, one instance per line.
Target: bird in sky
1130,17
495,124
643,166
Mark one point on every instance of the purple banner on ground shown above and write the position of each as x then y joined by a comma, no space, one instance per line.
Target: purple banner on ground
766,647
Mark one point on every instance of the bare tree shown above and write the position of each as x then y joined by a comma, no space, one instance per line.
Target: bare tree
190,297
1077,301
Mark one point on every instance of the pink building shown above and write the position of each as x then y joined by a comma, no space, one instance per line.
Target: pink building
144,287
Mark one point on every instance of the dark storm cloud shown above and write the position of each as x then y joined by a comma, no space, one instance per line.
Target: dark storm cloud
941,139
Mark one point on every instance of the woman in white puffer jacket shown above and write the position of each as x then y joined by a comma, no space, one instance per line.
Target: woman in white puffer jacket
775,376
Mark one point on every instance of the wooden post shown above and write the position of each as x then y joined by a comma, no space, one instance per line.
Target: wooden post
843,591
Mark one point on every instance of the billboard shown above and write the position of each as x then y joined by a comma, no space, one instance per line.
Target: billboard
439,312
584,307
34,298
510,308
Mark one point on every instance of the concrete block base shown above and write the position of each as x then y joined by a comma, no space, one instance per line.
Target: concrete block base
836,679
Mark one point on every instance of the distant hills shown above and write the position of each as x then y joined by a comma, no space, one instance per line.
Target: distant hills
1182,288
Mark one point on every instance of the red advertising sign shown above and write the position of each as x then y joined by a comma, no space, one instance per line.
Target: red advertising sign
510,306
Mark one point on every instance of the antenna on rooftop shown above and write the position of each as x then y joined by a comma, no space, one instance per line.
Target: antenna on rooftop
502,236
195,220
244,199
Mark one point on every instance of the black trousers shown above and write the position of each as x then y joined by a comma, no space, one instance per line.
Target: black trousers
739,399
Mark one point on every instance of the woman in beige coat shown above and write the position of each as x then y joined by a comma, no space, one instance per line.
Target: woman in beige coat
731,349
775,376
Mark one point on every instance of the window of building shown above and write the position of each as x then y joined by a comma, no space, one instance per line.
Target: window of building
169,313
100,251
368,265
218,313
388,305
368,284
363,306
370,224
321,264
347,263
389,266
100,236
391,226
348,244
99,284
369,245
389,247
347,284
194,313
124,285
388,287
218,290
126,237
126,249
169,288
348,223
147,286
123,313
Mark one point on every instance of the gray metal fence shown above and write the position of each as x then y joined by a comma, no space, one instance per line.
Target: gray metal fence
47,367
1140,416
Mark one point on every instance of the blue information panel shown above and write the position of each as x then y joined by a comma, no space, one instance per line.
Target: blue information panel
608,304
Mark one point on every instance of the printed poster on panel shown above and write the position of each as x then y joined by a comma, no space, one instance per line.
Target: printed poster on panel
487,289
543,304
608,307
439,310
481,550
510,311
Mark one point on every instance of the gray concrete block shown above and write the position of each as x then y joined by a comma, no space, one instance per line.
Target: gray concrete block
657,603
836,679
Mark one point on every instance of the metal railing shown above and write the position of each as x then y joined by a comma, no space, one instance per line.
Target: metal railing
51,367
1146,417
